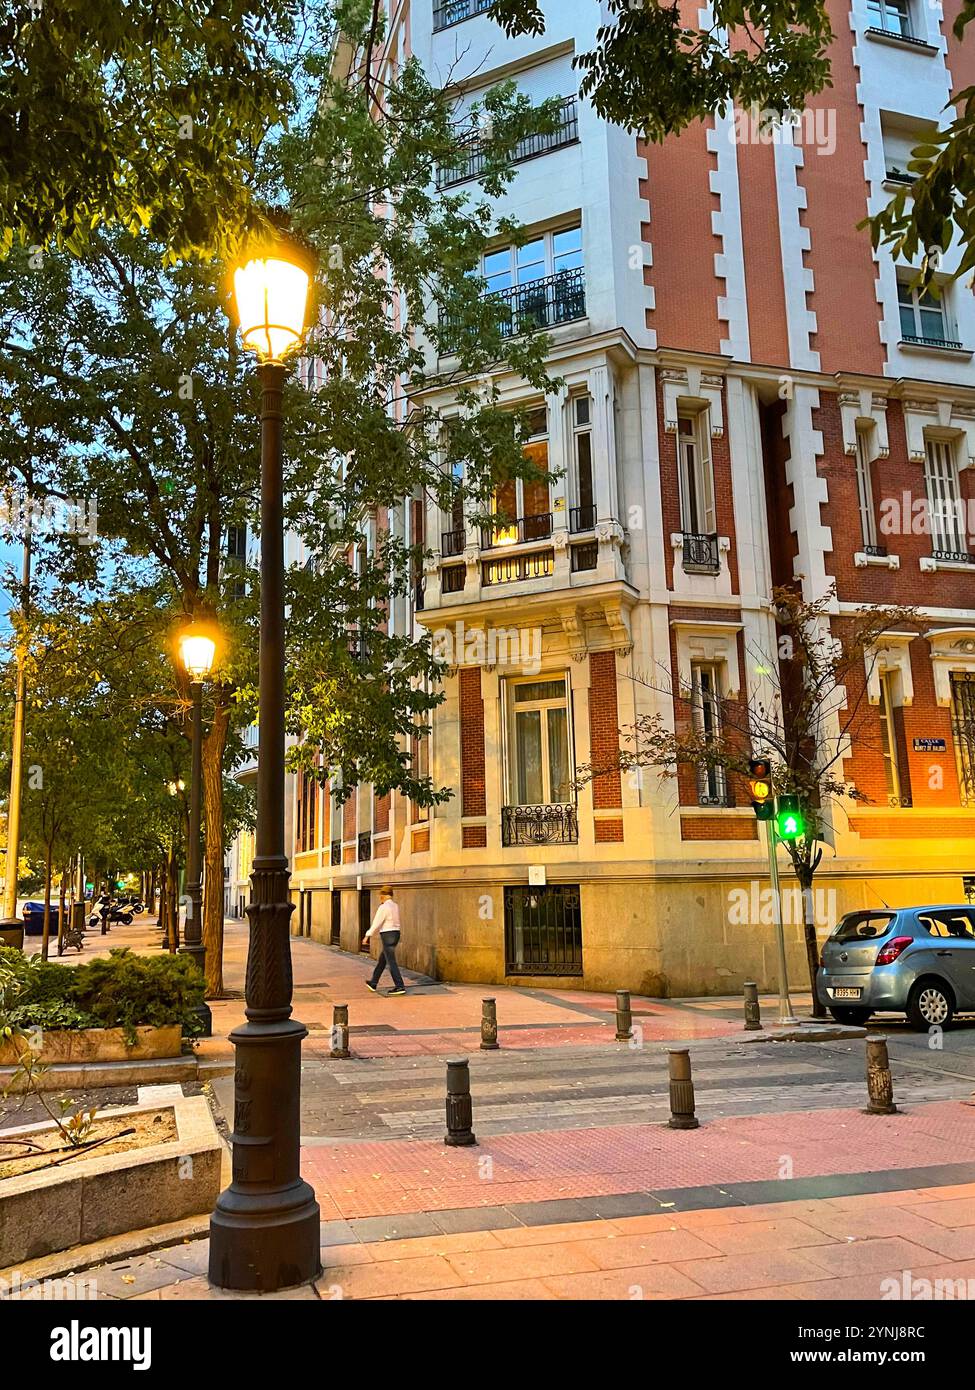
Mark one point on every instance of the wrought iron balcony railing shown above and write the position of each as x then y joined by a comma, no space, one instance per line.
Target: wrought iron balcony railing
582,518
585,557
947,344
447,12
536,305
712,787
701,554
537,527
452,542
471,164
453,579
539,825
955,557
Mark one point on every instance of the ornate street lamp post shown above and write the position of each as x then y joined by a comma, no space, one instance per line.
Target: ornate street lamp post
197,648
265,1231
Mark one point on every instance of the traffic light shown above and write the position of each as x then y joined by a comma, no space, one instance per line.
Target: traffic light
789,824
760,783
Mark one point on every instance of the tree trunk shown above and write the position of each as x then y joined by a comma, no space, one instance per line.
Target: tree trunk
62,909
213,883
48,871
150,898
163,922
172,901
809,932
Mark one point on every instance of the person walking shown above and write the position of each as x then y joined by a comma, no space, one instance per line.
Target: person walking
386,922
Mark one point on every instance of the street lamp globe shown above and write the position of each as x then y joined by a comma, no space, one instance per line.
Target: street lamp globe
197,649
271,286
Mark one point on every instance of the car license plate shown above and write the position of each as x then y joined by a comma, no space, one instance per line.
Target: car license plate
847,993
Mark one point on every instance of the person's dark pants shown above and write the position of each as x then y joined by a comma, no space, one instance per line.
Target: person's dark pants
387,957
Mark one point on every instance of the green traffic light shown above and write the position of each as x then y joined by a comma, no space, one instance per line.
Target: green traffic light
789,820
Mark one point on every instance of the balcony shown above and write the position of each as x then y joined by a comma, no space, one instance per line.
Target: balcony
944,344
701,554
448,12
452,543
536,305
582,518
539,825
471,165
584,557
516,567
453,579
953,557
537,527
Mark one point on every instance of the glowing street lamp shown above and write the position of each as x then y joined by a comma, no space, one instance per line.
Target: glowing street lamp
265,1230
197,651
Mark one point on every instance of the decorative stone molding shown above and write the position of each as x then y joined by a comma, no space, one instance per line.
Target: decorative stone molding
711,642
692,388
865,407
952,649
575,633
890,562
927,564
947,418
618,622
891,655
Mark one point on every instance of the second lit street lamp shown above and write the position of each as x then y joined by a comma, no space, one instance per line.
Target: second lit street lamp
197,649
265,1231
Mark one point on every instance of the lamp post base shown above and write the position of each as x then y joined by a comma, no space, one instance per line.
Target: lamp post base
265,1232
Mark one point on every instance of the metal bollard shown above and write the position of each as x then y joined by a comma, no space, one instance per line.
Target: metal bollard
624,1016
340,1031
753,1009
880,1086
489,1025
460,1111
681,1090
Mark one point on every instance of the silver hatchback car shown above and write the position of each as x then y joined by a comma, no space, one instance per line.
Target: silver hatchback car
918,961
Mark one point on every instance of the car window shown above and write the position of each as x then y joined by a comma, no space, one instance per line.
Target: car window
949,922
863,926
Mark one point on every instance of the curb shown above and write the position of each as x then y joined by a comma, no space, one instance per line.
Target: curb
805,1032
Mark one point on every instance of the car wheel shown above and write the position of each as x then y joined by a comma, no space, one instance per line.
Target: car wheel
853,1016
931,1005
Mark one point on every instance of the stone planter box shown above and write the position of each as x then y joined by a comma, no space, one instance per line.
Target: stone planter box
12,935
90,1199
97,1045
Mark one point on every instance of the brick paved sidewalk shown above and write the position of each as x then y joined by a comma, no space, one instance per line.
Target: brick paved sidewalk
394,1177
433,1018
920,1241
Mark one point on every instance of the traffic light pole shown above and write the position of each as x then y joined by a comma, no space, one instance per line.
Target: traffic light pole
786,1016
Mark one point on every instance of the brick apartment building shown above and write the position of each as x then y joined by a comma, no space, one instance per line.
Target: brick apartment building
752,396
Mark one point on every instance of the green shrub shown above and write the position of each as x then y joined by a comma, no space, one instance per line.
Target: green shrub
125,991
53,1013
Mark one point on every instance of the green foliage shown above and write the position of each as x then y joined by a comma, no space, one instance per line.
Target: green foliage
654,74
923,220
146,113
123,991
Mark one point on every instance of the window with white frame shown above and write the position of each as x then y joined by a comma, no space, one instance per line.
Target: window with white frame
893,16
583,513
539,742
712,781
924,318
888,739
541,281
946,509
868,518
963,732
696,474
522,505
